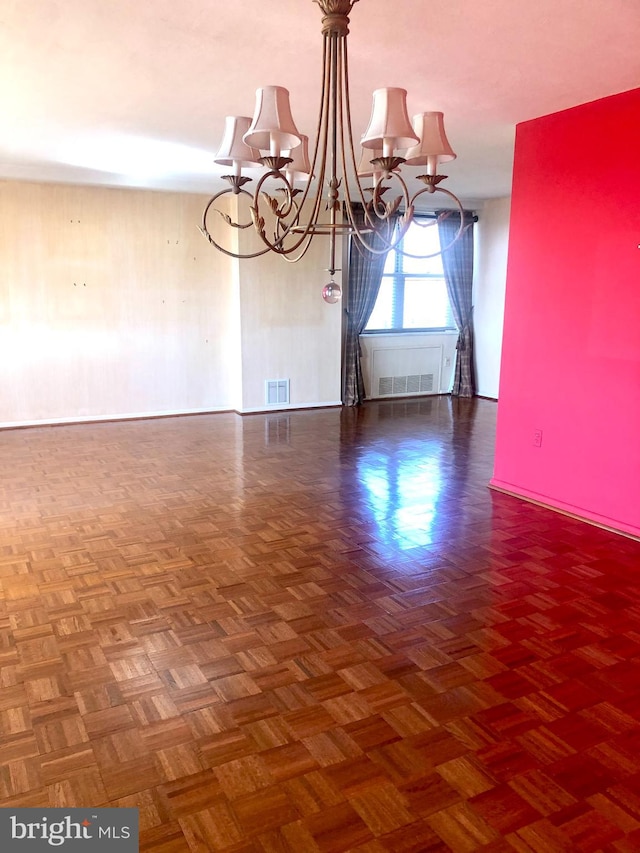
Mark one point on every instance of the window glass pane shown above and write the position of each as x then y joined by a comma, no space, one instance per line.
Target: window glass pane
426,304
421,240
414,296
382,314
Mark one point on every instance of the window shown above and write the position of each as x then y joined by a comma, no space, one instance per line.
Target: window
413,293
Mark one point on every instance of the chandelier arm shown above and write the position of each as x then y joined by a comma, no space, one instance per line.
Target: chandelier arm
205,232
389,241
302,253
376,202
388,238
323,131
419,223
276,245
360,248
320,149
319,135
280,230
225,216
391,207
458,233
353,165
308,236
259,221
318,167
393,236
280,226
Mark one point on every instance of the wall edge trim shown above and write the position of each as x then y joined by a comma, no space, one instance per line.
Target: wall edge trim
292,407
115,418
603,522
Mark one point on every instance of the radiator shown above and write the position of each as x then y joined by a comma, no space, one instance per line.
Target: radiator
406,371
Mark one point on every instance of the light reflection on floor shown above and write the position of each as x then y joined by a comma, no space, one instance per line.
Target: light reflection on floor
402,496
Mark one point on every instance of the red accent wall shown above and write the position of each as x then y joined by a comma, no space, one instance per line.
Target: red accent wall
571,348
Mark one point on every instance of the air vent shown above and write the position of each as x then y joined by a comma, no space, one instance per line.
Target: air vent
276,392
406,371
385,386
416,383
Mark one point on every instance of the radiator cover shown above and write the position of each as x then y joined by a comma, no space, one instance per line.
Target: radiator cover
406,371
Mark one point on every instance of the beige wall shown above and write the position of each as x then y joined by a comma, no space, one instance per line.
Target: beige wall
288,331
112,304
492,242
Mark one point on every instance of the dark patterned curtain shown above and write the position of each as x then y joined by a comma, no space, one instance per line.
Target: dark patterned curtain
457,263
365,275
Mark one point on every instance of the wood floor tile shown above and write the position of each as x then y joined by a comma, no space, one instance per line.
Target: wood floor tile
290,761
334,640
189,794
243,776
215,828
461,828
382,807
81,787
338,829
266,809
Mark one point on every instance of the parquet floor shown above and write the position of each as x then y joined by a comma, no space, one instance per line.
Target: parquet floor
314,631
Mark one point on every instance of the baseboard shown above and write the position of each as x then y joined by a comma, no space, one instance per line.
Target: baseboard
603,522
177,413
293,407
105,419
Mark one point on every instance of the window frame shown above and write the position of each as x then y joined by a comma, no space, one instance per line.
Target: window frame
399,277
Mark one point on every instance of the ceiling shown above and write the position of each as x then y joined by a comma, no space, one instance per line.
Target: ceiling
134,93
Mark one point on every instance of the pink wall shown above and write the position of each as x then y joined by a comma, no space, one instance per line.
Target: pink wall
571,347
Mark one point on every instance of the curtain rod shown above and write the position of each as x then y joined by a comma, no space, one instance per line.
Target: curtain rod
431,214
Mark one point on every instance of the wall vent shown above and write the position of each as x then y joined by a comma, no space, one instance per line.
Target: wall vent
405,371
416,383
276,392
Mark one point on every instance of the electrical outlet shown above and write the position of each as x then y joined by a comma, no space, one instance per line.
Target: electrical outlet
537,438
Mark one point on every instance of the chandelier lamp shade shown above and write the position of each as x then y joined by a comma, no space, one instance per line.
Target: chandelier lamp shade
389,126
297,198
233,149
272,128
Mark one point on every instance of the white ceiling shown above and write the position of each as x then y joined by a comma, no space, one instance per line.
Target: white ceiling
134,92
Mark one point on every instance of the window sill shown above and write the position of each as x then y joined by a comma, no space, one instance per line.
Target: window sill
384,333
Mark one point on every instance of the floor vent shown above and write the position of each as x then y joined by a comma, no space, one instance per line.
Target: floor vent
418,383
276,392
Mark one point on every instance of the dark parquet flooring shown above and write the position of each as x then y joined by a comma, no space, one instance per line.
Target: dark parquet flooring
313,631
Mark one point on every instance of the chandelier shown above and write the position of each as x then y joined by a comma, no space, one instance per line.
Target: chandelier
333,201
